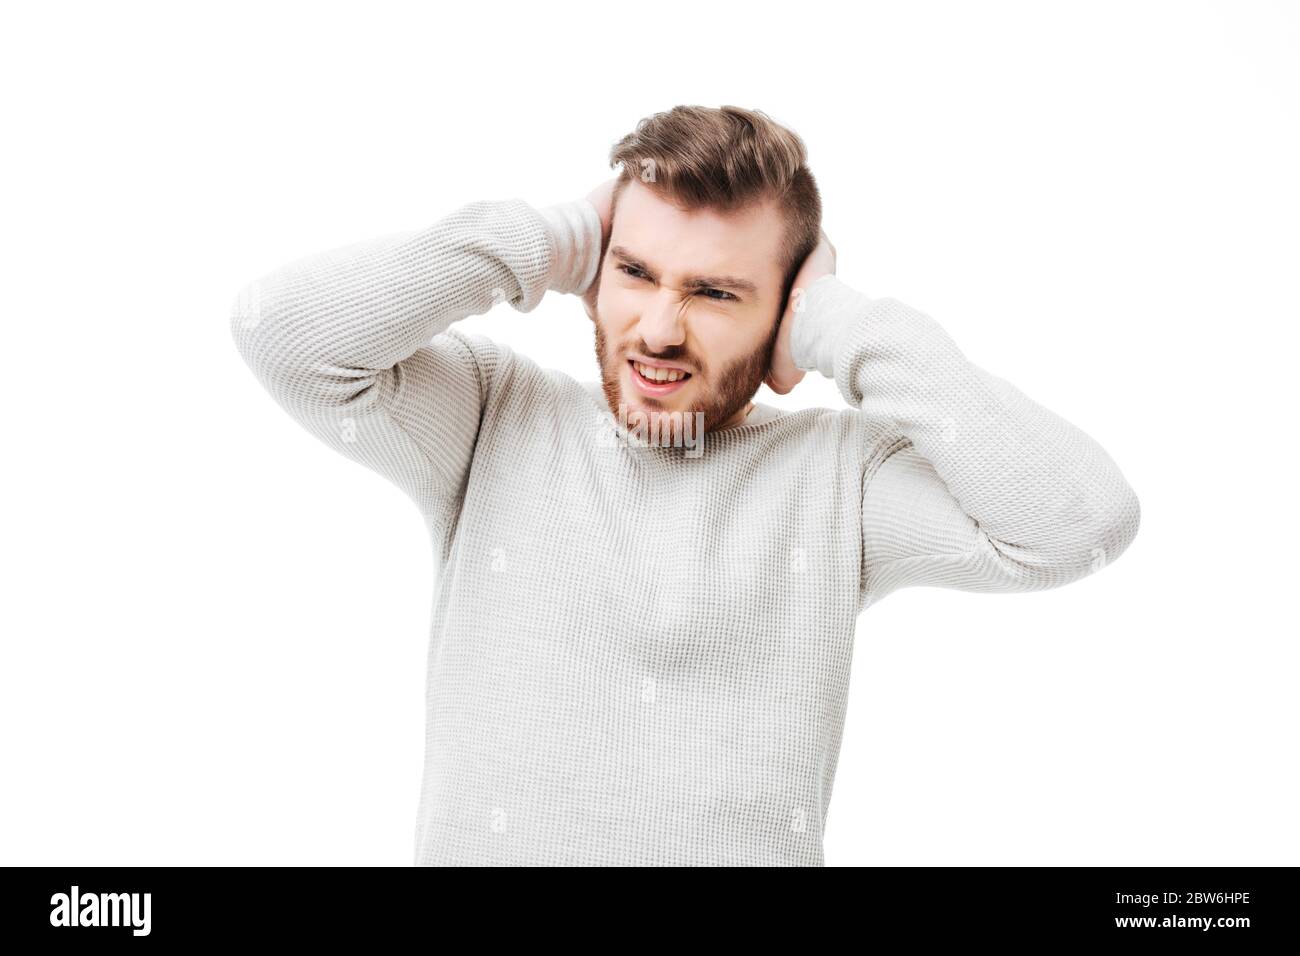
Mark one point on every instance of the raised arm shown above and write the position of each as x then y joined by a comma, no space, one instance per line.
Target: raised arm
980,488
351,342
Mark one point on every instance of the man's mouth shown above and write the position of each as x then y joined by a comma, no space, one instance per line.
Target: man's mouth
657,382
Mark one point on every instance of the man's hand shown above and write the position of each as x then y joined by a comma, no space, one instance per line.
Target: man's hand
784,374
602,197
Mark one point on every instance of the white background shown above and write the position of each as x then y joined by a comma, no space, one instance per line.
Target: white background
214,627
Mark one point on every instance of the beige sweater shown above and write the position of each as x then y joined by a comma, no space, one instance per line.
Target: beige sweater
640,655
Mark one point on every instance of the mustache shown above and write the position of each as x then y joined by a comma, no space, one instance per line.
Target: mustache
673,355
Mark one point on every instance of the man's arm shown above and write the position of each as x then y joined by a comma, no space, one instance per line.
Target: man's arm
980,488
351,342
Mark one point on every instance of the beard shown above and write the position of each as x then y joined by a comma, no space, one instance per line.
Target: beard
732,386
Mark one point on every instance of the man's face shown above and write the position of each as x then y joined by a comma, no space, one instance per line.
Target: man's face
694,291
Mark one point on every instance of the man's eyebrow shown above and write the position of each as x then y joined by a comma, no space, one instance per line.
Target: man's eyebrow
692,282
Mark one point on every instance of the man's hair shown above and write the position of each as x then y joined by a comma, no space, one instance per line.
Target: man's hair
699,157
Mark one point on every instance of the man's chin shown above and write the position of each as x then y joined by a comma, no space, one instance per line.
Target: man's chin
635,410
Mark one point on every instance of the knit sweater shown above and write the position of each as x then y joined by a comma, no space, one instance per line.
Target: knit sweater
639,653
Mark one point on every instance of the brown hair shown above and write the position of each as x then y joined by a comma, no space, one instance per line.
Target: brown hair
726,158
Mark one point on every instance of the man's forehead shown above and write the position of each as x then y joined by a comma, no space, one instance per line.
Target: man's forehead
662,239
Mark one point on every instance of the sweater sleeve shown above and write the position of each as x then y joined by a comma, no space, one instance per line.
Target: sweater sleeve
353,343
977,487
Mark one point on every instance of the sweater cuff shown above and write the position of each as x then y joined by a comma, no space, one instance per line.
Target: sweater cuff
576,231
826,315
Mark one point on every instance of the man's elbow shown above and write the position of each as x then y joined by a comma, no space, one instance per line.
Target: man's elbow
1081,548
1116,530
247,325
1104,538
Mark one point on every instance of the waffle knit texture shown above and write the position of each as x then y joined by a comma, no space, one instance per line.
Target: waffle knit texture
639,655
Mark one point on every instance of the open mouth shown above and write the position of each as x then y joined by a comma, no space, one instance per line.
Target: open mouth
657,381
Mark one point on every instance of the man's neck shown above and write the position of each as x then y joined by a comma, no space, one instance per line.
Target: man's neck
738,419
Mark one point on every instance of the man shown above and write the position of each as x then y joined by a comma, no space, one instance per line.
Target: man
640,649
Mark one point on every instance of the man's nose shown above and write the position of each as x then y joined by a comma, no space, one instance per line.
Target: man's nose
663,322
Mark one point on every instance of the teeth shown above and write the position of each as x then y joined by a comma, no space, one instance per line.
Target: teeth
659,374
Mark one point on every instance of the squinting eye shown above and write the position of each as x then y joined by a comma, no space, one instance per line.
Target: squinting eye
726,296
